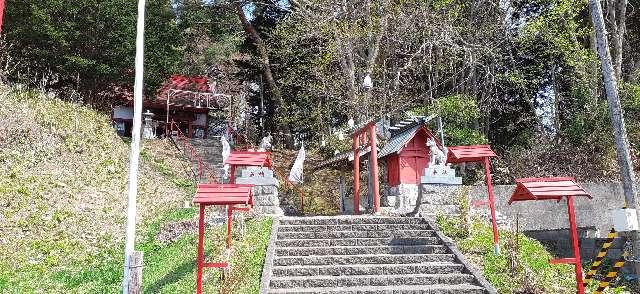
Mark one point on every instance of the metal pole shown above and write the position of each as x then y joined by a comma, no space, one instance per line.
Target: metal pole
492,206
135,147
576,246
356,175
374,168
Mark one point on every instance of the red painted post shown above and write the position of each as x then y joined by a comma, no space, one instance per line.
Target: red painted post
232,174
1,13
492,206
374,168
229,219
356,175
200,250
576,245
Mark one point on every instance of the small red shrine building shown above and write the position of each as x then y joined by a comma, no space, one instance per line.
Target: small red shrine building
185,101
406,155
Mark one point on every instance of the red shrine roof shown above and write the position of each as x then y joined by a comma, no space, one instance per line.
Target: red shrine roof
223,194
546,189
471,153
185,83
249,158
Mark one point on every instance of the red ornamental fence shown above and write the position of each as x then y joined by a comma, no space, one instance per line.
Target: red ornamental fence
193,155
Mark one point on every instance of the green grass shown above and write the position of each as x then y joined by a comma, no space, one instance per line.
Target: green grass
171,268
523,265
62,201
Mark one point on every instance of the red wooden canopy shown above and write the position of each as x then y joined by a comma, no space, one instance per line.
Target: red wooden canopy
471,153
249,158
546,189
223,194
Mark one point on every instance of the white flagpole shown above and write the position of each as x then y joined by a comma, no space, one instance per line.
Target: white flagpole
135,147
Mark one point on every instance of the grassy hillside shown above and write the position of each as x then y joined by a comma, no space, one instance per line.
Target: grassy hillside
63,198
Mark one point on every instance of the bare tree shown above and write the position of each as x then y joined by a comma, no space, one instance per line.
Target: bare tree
617,119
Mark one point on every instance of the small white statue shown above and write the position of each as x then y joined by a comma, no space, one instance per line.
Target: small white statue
265,144
436,157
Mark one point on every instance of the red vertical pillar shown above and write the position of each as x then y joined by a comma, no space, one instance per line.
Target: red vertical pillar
200,249
229,224
374,168
232,174
356,175
1,13
576,245
492,206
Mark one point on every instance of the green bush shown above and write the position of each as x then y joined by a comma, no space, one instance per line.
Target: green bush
460,115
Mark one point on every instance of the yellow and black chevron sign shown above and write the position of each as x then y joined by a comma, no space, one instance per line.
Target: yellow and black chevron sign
612,274
600,257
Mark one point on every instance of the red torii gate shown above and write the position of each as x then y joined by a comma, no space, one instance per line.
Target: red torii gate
367,136
556,189
479,153
238,197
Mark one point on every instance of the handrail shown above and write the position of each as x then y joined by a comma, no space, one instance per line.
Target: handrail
278,172
202,165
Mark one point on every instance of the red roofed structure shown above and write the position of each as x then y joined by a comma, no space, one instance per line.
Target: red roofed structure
246,158
528,189
546,189
473,153
479,153
183,100
230,195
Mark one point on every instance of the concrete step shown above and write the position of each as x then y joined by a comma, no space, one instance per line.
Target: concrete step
357,242
368,269
362,259
349,250
422,289
346,220
369,280
352,227
356,234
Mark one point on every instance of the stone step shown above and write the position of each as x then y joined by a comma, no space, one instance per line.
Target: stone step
352,227
368,269
362,259
346,220
370,280
357,242
349,250
423,289
356,234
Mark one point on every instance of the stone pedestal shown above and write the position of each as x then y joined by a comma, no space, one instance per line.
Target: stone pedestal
265,192
402,197
440,199
440,174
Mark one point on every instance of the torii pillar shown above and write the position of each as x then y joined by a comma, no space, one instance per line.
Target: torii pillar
365,136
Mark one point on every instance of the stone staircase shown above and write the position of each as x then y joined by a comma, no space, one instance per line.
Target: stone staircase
210,150
349,254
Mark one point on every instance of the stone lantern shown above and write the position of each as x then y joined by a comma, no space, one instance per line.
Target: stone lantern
149,131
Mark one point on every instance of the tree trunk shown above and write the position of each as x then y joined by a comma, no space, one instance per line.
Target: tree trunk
617,119
253,34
